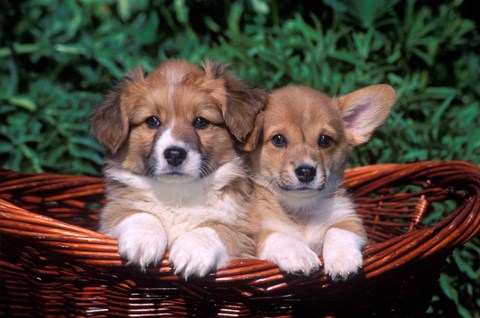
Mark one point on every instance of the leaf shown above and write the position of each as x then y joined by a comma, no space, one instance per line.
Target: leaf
336,5
260,6
70,49
346,57
124,9
452,294
6,148
234,17
465,267
23,102
181,11
85,141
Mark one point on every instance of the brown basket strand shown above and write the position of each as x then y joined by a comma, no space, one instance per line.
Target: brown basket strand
53,263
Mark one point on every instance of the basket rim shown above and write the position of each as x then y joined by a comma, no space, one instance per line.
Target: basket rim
95,249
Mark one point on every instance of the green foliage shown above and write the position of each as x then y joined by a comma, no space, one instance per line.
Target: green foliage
459,284
58,58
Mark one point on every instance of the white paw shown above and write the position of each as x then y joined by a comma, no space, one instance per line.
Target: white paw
198,252
141,239
342,253
291,254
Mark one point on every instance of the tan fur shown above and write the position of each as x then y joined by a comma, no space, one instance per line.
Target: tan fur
352,225
177,92
260,239
302,115
238,240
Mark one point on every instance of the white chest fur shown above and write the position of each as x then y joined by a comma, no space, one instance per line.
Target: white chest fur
297,240
310,225
327,213
183,206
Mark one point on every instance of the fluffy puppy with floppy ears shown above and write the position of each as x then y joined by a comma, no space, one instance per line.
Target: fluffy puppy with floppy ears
174,172
299,166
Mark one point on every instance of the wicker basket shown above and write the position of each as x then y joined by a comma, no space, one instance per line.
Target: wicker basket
53,263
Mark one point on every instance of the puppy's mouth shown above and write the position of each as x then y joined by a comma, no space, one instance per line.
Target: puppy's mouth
179,175
170,174
300,188
175,174
175,177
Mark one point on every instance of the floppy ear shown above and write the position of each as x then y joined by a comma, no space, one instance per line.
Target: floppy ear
243,113
252,139
364,110
242,107
109,120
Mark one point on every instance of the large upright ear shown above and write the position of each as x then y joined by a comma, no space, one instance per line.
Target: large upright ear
364,110
109,120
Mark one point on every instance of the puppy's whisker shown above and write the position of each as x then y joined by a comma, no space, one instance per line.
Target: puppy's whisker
206,168
271,184
150,171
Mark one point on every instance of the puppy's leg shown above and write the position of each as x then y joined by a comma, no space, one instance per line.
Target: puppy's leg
142,239
237,239
290,253
342,249
198,252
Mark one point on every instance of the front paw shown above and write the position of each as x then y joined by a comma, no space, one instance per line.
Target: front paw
142,239
342,253
198,252
291,254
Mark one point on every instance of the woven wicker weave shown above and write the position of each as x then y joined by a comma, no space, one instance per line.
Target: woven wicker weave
53,263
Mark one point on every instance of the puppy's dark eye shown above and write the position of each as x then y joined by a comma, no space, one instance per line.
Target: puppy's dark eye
325,141
279,141
152,122
200,123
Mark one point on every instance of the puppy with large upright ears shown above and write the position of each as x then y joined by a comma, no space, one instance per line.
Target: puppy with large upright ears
299,167
175,172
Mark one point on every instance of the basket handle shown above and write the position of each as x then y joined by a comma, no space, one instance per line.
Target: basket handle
460,226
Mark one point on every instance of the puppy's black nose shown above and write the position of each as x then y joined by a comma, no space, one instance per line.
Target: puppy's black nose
305,173
175,155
